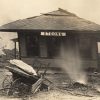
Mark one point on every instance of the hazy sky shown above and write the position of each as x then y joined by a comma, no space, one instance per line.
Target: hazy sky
16,9
11,10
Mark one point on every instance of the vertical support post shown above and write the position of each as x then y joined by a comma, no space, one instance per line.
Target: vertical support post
19,46
15,49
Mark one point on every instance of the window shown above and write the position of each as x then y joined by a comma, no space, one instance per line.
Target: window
98,46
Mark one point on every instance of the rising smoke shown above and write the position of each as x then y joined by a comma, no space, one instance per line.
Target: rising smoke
72,65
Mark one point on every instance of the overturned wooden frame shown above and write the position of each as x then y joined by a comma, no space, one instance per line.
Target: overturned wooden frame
22,83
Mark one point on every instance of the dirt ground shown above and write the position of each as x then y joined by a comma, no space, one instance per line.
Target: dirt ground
54,95
62,95
65,92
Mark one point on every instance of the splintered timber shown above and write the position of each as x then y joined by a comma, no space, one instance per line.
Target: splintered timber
53,33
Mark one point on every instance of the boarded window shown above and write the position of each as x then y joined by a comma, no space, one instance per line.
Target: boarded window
32,43
85,48
53,46
45,46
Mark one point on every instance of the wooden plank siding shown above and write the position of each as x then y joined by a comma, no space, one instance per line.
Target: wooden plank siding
72,43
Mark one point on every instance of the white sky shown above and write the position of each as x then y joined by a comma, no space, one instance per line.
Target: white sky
16,9
11,10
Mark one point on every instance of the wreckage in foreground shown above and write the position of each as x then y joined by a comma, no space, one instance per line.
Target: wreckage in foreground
24,79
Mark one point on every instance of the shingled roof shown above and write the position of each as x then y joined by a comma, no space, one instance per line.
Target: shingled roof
56,20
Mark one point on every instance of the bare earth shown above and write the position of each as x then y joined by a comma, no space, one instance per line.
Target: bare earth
54,95
61,94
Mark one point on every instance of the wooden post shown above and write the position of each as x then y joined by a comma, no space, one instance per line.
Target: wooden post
15,49
19,46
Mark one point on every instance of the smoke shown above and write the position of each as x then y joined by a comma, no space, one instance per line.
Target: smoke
71,63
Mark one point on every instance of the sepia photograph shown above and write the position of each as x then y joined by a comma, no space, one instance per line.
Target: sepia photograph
49,49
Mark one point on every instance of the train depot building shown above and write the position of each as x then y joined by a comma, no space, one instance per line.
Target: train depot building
55,36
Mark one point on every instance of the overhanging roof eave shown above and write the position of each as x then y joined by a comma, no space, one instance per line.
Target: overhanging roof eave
27,30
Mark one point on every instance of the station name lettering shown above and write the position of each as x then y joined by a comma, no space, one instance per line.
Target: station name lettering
53,33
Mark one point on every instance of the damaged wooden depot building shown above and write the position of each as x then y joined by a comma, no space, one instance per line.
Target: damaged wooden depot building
55,36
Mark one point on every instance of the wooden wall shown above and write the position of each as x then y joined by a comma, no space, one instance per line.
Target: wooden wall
82,40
